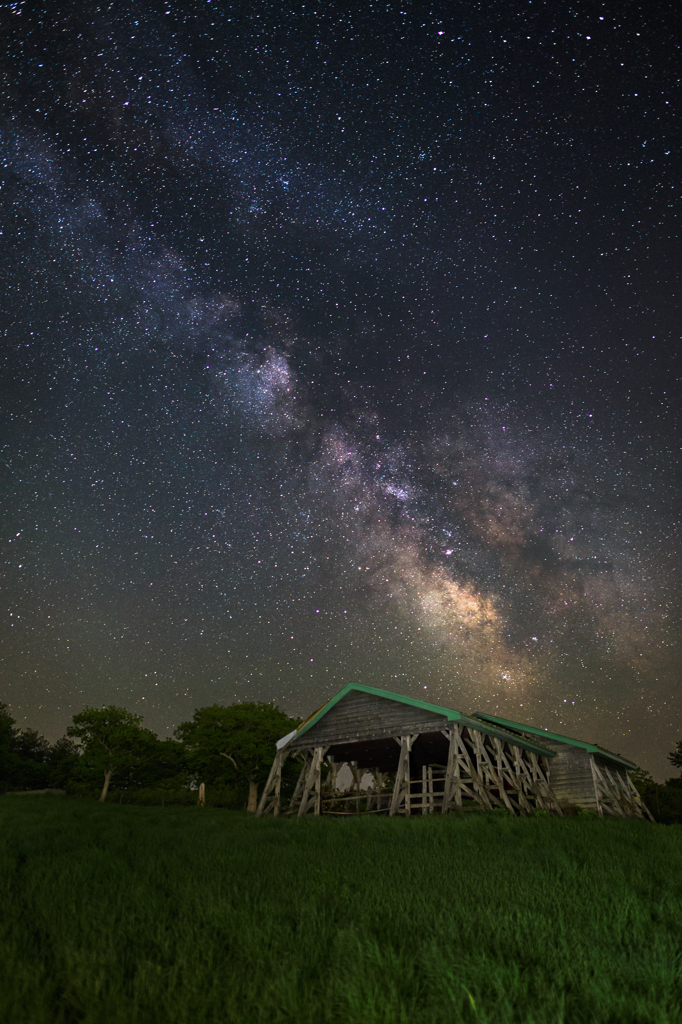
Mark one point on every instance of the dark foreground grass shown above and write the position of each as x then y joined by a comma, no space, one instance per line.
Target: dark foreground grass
128,914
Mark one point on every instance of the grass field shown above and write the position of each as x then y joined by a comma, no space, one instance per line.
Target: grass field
132,914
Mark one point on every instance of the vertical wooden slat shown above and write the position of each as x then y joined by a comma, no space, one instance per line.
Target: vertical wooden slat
401,789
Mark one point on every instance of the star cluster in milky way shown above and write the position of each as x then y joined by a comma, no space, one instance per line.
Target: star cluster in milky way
342,344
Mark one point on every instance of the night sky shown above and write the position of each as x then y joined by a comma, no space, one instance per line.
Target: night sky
341,342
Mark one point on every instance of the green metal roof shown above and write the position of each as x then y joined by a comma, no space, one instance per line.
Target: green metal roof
593,748
491,729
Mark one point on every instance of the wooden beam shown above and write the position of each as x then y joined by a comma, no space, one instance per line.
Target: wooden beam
451,772
489,775
312,790
461,775
477,784
638,802
544,795
300,783
427,790
616,794
597,787
401,789
508,773
270,799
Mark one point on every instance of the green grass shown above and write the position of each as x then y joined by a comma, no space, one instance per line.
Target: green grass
131,914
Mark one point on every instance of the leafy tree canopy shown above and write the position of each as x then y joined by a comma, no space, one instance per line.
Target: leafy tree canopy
31,745
112,739
234,744
24,755
8,733
675,756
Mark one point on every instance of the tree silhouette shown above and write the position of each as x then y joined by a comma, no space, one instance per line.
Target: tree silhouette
112,739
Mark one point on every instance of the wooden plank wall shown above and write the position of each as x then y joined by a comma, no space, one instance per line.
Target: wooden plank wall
363,716
570,775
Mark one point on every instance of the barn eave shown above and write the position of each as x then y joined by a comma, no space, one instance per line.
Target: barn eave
591,748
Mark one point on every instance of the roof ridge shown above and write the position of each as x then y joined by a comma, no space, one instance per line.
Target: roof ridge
451,714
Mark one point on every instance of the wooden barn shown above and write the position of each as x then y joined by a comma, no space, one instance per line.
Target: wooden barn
583,774
438,759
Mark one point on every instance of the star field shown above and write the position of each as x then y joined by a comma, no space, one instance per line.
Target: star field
341,342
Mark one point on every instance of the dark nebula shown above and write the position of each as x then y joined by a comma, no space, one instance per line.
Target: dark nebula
342,342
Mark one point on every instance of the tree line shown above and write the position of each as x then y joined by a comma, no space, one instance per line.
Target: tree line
109,750
229,748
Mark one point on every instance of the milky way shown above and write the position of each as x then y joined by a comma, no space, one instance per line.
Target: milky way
342,344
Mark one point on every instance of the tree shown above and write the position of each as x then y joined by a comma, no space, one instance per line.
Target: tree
63,759
642,779
234,744
32,746
8,740
24,755
675,756
167,769
112,740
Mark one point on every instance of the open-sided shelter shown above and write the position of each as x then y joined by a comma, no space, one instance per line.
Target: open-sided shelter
440,758
583,774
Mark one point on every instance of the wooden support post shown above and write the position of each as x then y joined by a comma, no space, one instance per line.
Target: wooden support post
489,776
620,792
429,789
504,773
270,800
540,787
521,775
357,776
461,775
478,786
638,802
401,789
300,783
308,784
379,787
312,790
201,802
597,788
553,805
452,790
617,795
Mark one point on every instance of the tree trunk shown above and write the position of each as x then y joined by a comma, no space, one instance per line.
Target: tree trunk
252,805
107,780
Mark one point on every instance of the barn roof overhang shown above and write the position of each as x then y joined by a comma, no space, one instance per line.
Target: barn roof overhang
448,714
592,748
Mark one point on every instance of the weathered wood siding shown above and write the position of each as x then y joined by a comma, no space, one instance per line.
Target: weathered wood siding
362,716
615,769
570,774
